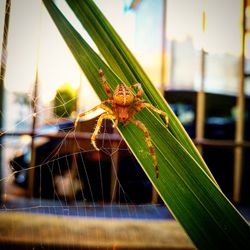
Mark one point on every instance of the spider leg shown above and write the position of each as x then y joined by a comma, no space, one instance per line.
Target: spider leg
105,83
125,124
115,123
139,88
140,106
140,125
98,126
102,106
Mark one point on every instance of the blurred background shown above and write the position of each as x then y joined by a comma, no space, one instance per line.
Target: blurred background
196,52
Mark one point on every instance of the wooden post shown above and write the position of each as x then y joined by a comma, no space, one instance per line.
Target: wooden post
239,133
201,105
31,172
201,97
164,50
2,77
163,72
114,170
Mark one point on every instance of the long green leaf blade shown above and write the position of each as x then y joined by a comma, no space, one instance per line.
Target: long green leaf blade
194,199
125,65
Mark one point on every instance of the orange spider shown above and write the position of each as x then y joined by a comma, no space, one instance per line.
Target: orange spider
124,105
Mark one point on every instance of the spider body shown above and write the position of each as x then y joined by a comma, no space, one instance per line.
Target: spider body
124,105
123,99
123,95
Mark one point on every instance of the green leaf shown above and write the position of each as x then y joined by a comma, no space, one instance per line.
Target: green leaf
185,183
123,63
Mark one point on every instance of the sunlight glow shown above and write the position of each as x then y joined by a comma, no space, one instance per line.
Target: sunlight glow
222,17
22,45
34,40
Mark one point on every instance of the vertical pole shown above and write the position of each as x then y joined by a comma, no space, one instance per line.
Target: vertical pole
163,72
114,170
200,105
239,133
31,173
164,50
201,98
2,77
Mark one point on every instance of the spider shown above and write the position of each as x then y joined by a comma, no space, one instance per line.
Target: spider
124,105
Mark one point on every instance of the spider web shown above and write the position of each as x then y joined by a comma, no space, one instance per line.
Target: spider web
67,173
70,178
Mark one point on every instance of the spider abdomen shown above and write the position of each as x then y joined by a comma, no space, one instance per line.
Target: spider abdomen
122,95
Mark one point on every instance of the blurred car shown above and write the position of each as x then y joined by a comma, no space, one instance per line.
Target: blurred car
21,161
67,168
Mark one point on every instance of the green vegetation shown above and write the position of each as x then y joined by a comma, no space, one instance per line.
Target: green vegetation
185,182
65,101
